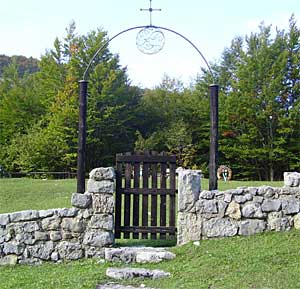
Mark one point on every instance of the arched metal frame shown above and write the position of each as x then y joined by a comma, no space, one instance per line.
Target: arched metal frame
213,161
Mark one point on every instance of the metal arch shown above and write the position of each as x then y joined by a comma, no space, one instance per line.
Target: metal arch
140,27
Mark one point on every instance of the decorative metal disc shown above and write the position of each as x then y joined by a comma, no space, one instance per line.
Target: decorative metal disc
150,40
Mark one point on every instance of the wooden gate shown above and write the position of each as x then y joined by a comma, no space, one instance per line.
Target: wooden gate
145,196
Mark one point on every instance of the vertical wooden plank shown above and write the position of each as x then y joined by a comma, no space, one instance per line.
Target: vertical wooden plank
172,196
145,198
163,183
118,198
136,198
154,199
127,199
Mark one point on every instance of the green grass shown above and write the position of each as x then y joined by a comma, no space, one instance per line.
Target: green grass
270,260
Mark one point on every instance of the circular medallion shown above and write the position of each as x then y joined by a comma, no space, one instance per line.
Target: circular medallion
150,40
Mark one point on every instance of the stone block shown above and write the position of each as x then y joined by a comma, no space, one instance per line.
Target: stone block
189,187
67,212
234,211
208,195
100,174
290,205
41,236
13,248
9,260
4,219
51,223
69,250
266,191
276,222
297,222
206,206
222,206
41,251
251,227
291,179
252,210
189,227
46,213
103,203
55,236
271,205
81,201
227,198
219,228
73,225
24,216
104,187
98,238
102,221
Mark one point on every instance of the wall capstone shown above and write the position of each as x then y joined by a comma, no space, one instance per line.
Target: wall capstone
31,236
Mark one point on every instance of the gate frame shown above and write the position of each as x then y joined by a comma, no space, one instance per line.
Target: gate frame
214,108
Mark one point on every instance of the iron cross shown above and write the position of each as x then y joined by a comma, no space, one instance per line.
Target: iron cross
150,9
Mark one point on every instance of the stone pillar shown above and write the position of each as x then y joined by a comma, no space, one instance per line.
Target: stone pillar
188,222
291,179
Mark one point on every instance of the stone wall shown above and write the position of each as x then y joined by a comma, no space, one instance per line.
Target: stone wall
62,234
243,211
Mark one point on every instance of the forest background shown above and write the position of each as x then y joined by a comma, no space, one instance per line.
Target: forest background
259,107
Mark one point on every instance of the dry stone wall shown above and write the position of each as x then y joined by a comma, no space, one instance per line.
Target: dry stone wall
62,234
243,211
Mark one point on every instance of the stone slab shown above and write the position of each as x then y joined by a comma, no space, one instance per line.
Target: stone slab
118,286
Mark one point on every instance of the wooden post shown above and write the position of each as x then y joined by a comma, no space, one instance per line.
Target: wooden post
213,152
81,156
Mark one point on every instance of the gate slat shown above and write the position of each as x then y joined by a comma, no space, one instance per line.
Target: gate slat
136,198
154,199
118,201
145,198
127,199
172,196
163,183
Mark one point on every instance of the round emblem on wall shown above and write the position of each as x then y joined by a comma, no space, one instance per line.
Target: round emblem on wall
150,40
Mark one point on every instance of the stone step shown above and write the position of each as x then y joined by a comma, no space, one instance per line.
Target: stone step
138,254
130,273
118,286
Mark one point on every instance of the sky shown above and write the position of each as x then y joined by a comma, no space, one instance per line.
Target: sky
30,27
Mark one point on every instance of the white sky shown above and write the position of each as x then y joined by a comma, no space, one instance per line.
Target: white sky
29,27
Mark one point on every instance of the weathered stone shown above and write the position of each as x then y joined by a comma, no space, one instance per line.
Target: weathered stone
206,206
55,236
69,251
130,273
233,211
97,238
208,195
103,203
252,190
9,260
219,228
94,252
73,225
153,255
13,248
297,221
87,213
4,219
100,174
250,227
82,201
222,206
258,199
190,227
189,187
30,261
102,221
51,223
290,205
24,216
240,199
252,210
41,236
266,191
54,256
237,191
46,213
271,205
291,179
227,198
66,235
277,222
42,251
67,212
103,187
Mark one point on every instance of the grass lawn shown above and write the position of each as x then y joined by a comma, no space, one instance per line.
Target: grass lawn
270,260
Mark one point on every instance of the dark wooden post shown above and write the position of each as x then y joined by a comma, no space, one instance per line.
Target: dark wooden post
81,156
213,152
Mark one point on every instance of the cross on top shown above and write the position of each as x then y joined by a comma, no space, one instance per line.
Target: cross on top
150,9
